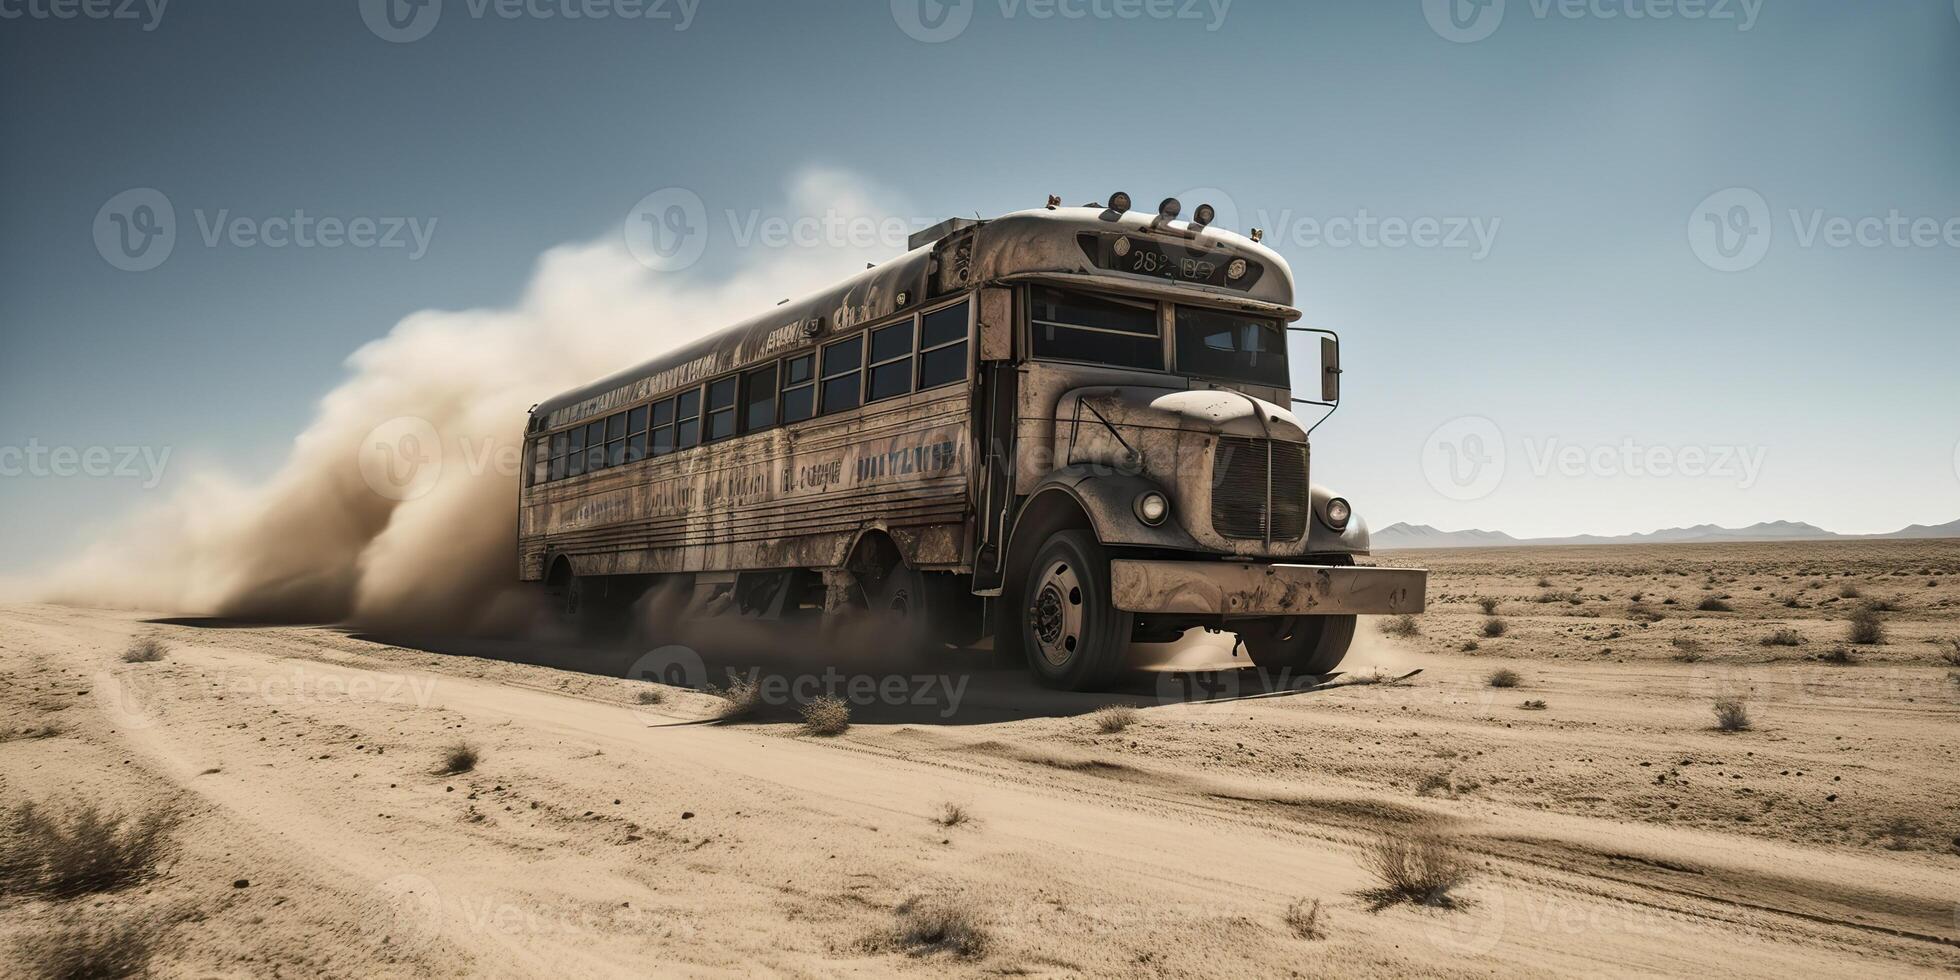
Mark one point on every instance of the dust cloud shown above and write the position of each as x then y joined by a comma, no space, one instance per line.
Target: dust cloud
317,542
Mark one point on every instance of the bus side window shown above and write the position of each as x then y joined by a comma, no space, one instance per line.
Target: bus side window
540,461
799,388
616,439
843,364
942,347
558,450
661,428
891,361
636,434
687,413
759,399
595,446
721,409
575,452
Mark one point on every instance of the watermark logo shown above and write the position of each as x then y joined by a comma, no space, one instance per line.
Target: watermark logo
933,21
1463,21
1463,459
1731,230
401,21
404,914
401,459
136,230
142,463
130,697
673,665
149,12
1471,932
667,231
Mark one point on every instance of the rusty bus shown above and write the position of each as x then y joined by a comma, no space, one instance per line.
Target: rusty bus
1069,428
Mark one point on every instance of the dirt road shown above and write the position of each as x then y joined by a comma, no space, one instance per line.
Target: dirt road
1613,831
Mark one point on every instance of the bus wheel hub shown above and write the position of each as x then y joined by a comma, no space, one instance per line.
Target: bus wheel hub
1057,613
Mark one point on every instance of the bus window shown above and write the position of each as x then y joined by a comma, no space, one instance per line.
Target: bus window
616,439
1231,347
595,446
891,361
1072,326
799,388
759,399
558,444
660,428
842,366
721,409
942,347
540,461
636,434
687,414
575,452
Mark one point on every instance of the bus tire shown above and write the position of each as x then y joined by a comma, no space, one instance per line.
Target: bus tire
1300,645
902,611
1075,638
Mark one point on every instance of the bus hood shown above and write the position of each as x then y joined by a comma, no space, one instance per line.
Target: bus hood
1212,411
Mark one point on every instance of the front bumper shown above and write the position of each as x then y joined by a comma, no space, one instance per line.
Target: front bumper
1248,589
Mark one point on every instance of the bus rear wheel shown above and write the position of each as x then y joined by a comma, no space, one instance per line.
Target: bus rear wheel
1075,638
1299,645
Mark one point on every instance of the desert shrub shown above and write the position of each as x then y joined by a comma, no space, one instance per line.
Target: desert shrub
458,758
1505,677
1403,626
932,925
93,850
1848,591
1421,868
1494,627
1488,605
1533,705
1547,598
826,715
149,649
952,815
1732,715
1782,638
740,698
1838,655
1469,646
1303,917
1866,627
1713,604
1544,583
1881,605
1952,652
649,695
1112,718
87,950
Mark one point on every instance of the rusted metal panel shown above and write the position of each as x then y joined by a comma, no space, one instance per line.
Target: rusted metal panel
996,324
1255,589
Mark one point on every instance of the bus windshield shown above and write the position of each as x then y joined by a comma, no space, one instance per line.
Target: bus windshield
1231,347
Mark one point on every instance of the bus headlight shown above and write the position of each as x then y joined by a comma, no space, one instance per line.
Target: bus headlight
1337,513
1152,507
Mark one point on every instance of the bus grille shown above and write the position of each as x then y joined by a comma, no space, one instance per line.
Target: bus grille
1239,508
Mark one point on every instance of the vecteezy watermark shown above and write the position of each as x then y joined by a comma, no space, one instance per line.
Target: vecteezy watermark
148,12
136,230
669,229
1362,228
1464,459
408,911
933,21
1469,21
143,463
403,458
403,21
1731,230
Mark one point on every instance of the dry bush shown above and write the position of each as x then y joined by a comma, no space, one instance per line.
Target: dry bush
1712,604
1732,715
1641,612
1403,626
740,698
87,950
1423,869
1534,704
932,925
1687,648
1544,583
94,850
149,649
1469,646
952,815
1494,627
1505,677
1838,655
649,695
1848,591
457,758
1866,627
826,715
1782,638
1303,917
1112,718
1952,654
1488,605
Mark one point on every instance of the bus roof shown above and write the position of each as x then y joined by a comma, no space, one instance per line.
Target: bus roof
1074,245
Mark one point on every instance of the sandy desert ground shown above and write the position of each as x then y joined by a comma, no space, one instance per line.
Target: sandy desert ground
1607,824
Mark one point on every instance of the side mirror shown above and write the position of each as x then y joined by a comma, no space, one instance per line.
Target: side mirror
1330,370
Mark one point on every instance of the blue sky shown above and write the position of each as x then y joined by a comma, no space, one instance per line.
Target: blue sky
1583,141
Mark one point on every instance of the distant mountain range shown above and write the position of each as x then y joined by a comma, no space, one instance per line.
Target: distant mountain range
1397,536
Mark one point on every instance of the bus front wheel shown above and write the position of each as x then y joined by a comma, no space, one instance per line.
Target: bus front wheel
1075,638
1299,645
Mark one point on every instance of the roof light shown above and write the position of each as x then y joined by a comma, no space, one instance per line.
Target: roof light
1203,216
1169,208
1119,202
